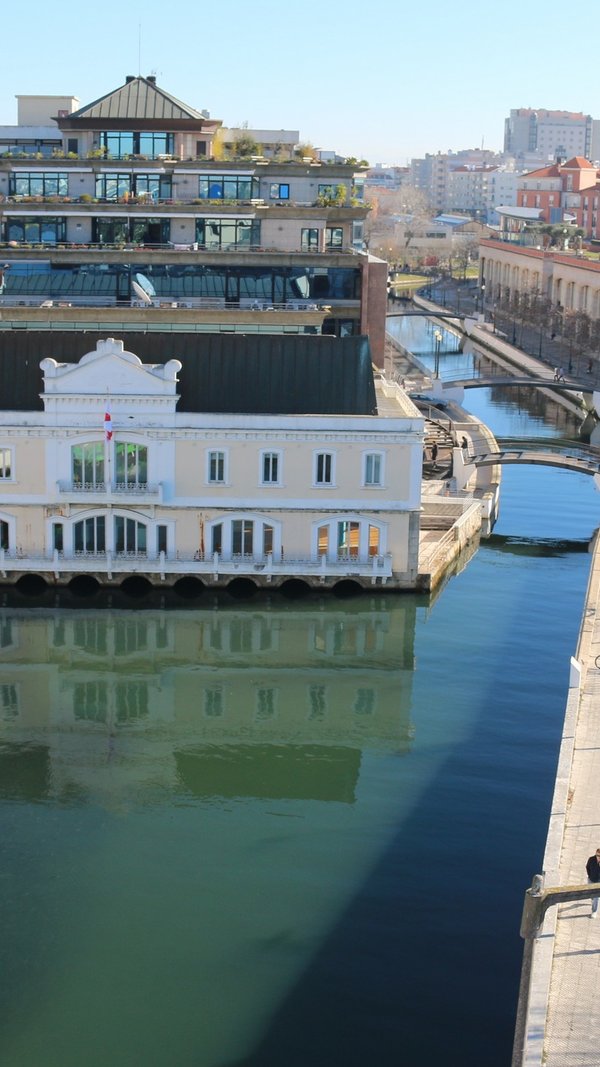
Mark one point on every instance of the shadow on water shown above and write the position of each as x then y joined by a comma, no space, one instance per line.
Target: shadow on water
546,547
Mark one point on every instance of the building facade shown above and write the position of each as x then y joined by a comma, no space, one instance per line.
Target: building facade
568,282
549,133
109,479
134,198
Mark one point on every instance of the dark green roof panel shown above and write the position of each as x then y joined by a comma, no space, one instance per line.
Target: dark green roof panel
226,373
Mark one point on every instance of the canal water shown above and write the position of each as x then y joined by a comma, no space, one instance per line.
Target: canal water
279,834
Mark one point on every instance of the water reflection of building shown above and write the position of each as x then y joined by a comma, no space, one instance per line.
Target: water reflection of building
229,702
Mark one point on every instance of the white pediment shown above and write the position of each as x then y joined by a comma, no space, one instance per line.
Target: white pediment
110,376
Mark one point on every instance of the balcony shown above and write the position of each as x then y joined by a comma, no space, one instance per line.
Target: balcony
111,492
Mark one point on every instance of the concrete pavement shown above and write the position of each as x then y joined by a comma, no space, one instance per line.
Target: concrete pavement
563,1028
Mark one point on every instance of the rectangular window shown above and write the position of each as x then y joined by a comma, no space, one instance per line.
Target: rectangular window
317,702
373,540
38,183
213,702
270,468
267,540
373,467
309,240
227,187
36,230
216,538
5,463
348,538
324,468
227,232
131,464
9,701
161,539
265,704
216,467
57,536
334,237
323,540
279,192
87,465
242,535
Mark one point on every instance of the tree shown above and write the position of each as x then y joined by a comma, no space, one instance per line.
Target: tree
306,151
245,146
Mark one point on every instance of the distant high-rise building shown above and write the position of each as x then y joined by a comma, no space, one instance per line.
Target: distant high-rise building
549,133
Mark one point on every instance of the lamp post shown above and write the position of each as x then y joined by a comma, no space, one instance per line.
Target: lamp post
438,340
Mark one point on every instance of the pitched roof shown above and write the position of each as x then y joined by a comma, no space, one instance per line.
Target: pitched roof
578,163
138,98
221,373
553,171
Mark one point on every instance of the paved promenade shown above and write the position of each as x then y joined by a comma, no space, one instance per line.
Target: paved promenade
564,1017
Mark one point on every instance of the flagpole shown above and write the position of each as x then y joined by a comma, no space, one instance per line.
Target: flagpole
107,440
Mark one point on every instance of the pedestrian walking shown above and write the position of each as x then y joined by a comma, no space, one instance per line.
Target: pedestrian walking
593,872
434,453
561,374
555,376
464,444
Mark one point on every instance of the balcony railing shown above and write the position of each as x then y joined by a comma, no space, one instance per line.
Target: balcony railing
211,566
112,490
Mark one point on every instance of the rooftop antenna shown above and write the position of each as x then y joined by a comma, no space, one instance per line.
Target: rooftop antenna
139,49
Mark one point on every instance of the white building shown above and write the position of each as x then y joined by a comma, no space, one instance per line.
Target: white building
274,460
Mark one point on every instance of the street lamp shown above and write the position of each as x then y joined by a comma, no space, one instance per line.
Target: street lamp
438,340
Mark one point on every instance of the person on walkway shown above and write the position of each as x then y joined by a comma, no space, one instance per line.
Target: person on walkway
561,374
464,444
434,453
593,872
555,378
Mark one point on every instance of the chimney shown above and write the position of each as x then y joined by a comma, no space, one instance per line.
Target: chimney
129,78
151,78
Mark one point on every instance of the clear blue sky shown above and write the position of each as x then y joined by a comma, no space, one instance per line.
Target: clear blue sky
382,80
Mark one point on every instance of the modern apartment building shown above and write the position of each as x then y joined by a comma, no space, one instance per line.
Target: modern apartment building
549,133
131,204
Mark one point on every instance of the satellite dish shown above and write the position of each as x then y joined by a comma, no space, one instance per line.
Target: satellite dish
141,293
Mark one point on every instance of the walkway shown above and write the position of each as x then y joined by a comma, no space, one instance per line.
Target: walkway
567,955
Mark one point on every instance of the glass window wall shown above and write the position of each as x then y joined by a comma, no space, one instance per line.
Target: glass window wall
121,186
36,230
227,232
227,187
38,183
120,144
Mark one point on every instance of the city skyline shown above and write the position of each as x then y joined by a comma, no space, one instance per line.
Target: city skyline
346,82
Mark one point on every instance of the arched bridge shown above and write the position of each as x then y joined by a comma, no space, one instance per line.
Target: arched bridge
584,464
549,383
424,314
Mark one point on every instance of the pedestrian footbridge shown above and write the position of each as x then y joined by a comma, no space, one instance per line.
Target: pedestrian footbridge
573,461
489,380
